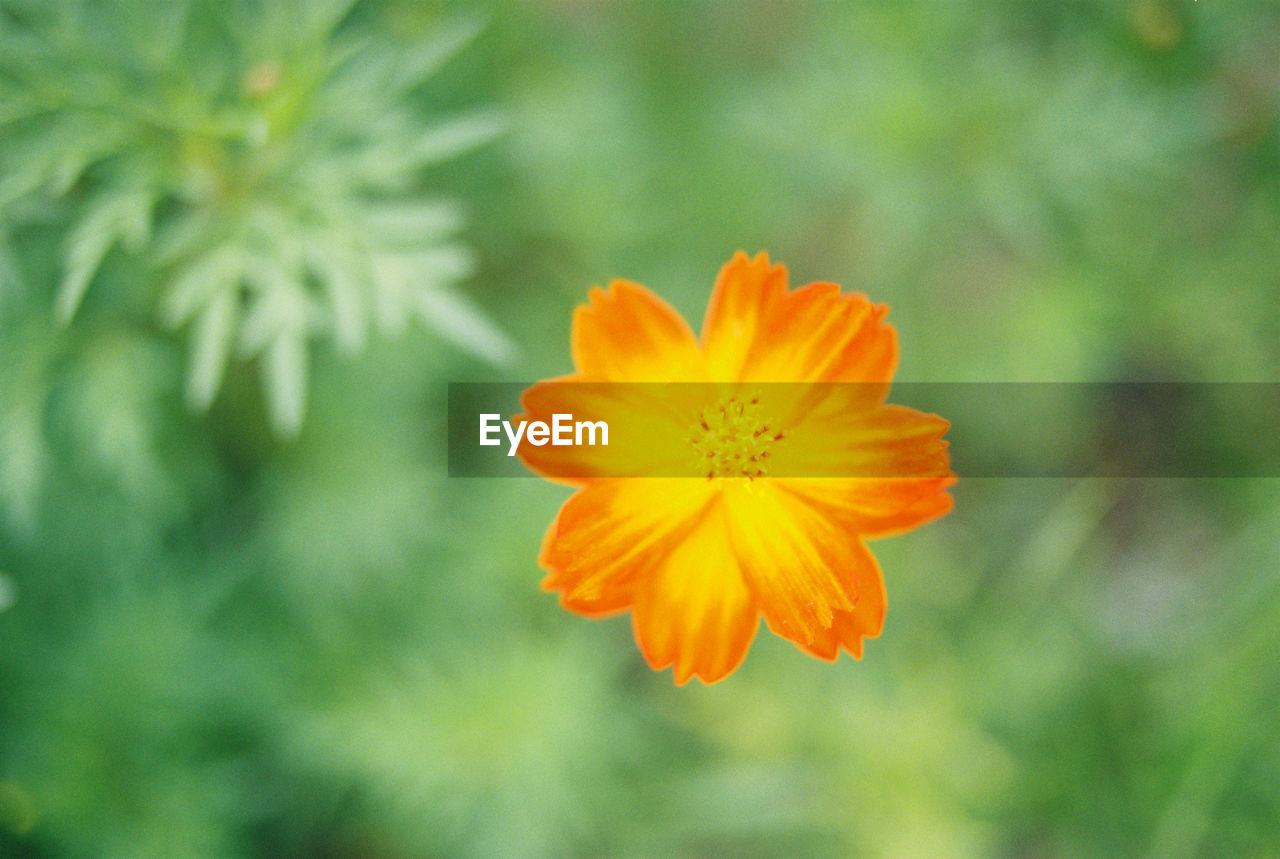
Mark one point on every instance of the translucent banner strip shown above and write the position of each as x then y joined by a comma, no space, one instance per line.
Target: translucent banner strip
574,430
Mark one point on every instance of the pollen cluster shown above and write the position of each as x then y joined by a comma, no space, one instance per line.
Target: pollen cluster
732,438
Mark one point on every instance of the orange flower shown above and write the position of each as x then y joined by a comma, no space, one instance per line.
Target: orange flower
699,554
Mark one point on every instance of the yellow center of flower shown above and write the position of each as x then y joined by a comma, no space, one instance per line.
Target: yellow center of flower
732,439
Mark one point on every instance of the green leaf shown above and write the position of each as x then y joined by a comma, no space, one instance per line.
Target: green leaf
22,462
367,77
210,348
439,265
280,307
216,272
8,592
457,319
110,218
340,273
284,369
390,292
456,136
421,61
87,246
411,224
10,280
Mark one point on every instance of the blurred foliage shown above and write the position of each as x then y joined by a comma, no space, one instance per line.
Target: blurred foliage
257,163
216,641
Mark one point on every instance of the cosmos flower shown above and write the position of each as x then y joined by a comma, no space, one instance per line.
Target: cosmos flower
749,489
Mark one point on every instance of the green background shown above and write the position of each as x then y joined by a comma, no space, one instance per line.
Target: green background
275,627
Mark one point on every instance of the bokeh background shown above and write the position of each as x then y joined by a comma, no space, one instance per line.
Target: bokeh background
244,247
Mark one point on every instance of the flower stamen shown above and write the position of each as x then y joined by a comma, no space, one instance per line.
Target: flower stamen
732,439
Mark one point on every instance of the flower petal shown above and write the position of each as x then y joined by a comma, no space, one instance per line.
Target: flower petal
612,532
744,292
879,442
865,620
756,330
647,426
873,507
815,334
628,334
791,557
694,611
875,471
